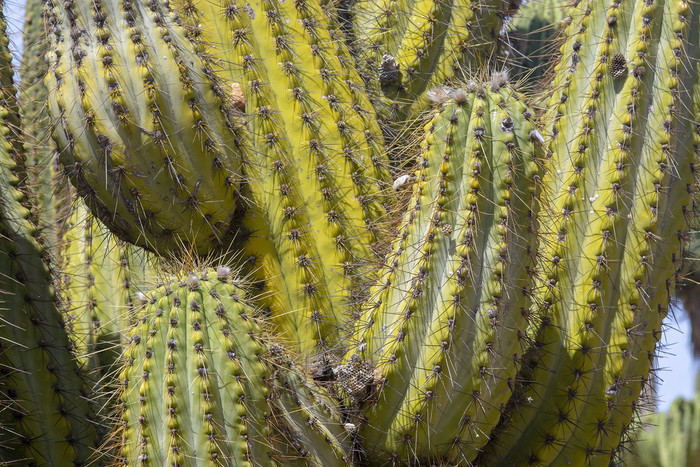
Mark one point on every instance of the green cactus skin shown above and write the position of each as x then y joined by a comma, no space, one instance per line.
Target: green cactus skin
45,417
200,385
670,439
317,169
47,192
620,183
101,279
447,316
413,46
147,133
534,32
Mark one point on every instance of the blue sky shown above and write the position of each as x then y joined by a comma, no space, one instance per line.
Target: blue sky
678,370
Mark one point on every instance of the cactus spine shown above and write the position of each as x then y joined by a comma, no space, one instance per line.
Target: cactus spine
146,132
316,168
199,383
620,185
447,315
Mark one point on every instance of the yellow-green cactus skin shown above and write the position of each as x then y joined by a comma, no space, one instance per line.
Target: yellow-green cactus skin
410,47
620,184
316,170
102,278
200,385
447,315
498,303
45,414
149,136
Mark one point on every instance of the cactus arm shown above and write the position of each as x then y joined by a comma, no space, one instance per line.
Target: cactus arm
200,385
534,31
316,166
311,418
415,46
100,278
45,414
660,232
75,286
46,189
450,324
600,271
149,136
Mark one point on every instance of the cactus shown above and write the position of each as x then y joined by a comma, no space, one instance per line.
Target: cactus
101,279
316,171
413,47
669,439
513,320
50,194
200,384
534,34
148,135
447,315
45,414
620,180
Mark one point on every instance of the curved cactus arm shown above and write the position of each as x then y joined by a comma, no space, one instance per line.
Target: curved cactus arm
200,385
316,169
619,184
446,321
45,413
671,159
147,133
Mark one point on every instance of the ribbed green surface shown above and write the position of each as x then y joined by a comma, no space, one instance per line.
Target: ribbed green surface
412,46
534,33
619,194
200,386
47,191
444,327
317,168
100,280
45,416
149,136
